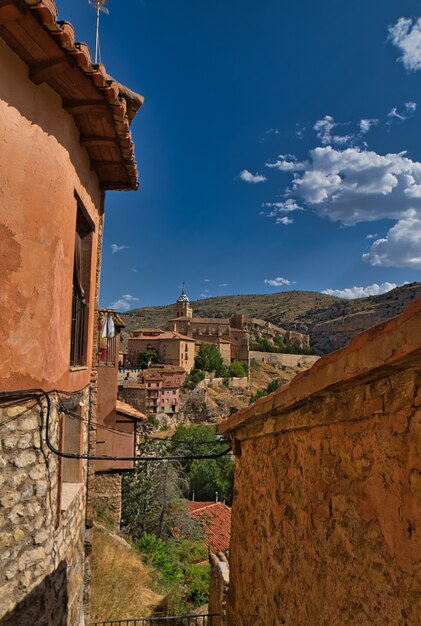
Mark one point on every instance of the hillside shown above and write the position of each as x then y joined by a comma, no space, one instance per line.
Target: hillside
329,321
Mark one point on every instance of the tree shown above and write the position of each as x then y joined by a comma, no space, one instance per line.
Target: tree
152,495
209,359
146,358
206,476
237,369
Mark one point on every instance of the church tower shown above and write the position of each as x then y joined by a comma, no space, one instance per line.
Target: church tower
183,308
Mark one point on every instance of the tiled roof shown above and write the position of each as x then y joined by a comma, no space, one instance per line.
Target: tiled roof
215,517
164,334
202,320
95,100
127,409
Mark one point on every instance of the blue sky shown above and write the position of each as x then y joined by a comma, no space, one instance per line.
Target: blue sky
269,146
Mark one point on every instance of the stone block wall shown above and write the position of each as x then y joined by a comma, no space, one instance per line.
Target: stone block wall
42,522
108,500
287,360
326,519
218,588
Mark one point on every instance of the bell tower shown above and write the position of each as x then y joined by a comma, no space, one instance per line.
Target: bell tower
183,307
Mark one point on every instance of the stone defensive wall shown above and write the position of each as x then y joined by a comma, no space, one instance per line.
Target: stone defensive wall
284,360
326,519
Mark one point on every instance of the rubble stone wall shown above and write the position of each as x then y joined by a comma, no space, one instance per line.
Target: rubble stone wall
326,519
42,524
108,500
218,588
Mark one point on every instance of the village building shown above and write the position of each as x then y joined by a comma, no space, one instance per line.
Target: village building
258,328
172,348
65,135
156,390
233,344
215,519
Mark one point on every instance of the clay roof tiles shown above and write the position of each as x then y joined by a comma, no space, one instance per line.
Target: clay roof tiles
48,46
215,518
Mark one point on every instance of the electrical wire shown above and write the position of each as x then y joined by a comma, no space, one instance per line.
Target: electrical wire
42,395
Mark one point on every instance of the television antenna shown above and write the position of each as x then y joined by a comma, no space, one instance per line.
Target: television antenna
99,6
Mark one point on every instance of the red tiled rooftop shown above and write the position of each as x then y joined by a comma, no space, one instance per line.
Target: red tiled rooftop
215,518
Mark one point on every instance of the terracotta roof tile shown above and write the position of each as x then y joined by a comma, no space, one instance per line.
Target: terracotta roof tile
215,517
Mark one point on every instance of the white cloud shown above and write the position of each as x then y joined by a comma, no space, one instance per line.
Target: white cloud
284,220
352,186
361,292
206,280
371,236
278,282
401,247
282,207
406,114
300,131
287,163
406,35
116,248
324,132
124,303
366,124
223,285
134,270
248,177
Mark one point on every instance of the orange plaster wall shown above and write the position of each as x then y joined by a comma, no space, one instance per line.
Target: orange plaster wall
42,164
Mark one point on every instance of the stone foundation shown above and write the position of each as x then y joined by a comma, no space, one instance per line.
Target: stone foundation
42,521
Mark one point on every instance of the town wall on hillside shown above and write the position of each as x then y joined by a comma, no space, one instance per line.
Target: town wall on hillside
43,506
286,360
326,519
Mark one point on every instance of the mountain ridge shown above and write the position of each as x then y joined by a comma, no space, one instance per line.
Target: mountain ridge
330,321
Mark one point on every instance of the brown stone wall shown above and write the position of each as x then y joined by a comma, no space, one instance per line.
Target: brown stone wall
326,520
218,588
108,500
42,522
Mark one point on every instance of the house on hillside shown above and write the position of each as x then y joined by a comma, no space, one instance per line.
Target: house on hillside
65,136
172,348
156,390
215,519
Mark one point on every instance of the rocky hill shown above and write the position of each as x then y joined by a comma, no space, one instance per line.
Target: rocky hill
331,322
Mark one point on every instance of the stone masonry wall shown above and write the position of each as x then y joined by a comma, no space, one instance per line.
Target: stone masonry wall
218,588
42,536
326,519
108,500
287,360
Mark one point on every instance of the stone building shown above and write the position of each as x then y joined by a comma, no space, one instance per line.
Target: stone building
156,390
258,328
233,344
65,140
172,348
326,520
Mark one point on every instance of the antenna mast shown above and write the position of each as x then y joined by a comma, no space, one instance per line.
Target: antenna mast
99,6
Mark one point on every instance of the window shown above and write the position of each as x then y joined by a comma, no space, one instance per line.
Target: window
81,285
